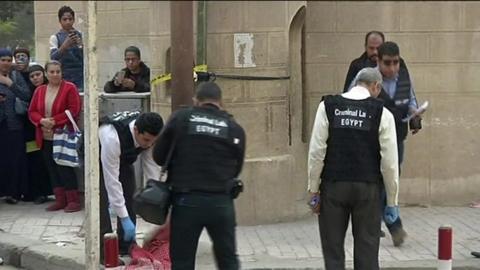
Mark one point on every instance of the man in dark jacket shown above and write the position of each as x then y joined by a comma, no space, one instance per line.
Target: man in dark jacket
209,149
399,98
135,77
13,90
369,58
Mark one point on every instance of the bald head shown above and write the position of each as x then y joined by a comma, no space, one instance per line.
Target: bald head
371,79
369,75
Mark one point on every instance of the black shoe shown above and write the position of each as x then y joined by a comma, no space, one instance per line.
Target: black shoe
398,236
475,254
382,234
11,200
40,200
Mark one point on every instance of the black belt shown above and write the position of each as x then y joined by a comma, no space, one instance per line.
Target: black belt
197,191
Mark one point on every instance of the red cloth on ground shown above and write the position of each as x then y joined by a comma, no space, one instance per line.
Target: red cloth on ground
154,255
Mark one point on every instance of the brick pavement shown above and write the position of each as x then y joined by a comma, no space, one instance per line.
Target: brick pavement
275,245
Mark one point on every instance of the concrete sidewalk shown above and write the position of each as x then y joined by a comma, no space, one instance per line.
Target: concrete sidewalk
36,239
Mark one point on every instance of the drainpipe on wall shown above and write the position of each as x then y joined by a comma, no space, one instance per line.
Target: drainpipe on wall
201,33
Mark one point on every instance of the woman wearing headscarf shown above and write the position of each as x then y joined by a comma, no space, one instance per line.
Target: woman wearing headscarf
39,186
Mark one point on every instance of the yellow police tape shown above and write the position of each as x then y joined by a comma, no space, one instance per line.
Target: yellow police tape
165,77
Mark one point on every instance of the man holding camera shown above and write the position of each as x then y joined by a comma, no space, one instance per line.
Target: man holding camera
208,155
134,77
66,46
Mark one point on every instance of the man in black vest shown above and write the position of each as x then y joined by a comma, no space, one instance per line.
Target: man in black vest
209,149
124,137
369,58
399,98
353,145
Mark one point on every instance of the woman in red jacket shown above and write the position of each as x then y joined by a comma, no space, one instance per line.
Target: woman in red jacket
47,113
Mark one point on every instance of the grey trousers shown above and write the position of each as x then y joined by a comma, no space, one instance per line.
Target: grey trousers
340,201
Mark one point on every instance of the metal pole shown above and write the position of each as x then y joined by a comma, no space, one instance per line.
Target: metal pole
90,103
201,32
181,28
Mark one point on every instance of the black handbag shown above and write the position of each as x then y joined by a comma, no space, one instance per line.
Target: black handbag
153,202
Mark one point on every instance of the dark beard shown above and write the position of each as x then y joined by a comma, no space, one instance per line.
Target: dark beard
370,62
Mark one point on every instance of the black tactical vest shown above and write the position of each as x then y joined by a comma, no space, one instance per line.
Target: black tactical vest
353,148
120,122
204,159
398,106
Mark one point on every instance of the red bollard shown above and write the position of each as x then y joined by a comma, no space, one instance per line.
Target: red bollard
445,244
110,249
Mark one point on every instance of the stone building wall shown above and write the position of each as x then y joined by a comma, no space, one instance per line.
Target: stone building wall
436,40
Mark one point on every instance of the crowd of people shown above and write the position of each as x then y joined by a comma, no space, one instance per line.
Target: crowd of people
33,100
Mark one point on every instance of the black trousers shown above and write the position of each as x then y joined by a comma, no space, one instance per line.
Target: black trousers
340,201
60,176
38,179
193,212
127,179
13,162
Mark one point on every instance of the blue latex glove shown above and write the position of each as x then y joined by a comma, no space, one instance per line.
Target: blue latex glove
128,229
390,214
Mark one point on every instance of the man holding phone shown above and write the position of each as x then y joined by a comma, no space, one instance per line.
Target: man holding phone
353,146
134,77
66,46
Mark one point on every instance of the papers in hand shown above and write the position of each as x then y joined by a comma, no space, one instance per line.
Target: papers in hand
419,111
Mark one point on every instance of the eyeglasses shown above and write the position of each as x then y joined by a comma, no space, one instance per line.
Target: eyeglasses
390,62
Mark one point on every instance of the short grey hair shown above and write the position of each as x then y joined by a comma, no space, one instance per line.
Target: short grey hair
368,75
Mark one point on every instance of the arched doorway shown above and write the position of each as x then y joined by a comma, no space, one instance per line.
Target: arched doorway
297,125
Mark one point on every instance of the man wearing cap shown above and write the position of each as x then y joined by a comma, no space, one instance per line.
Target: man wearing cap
353,145
208,154
134,77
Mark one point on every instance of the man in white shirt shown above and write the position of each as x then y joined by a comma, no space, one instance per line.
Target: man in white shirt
124,137
353,145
